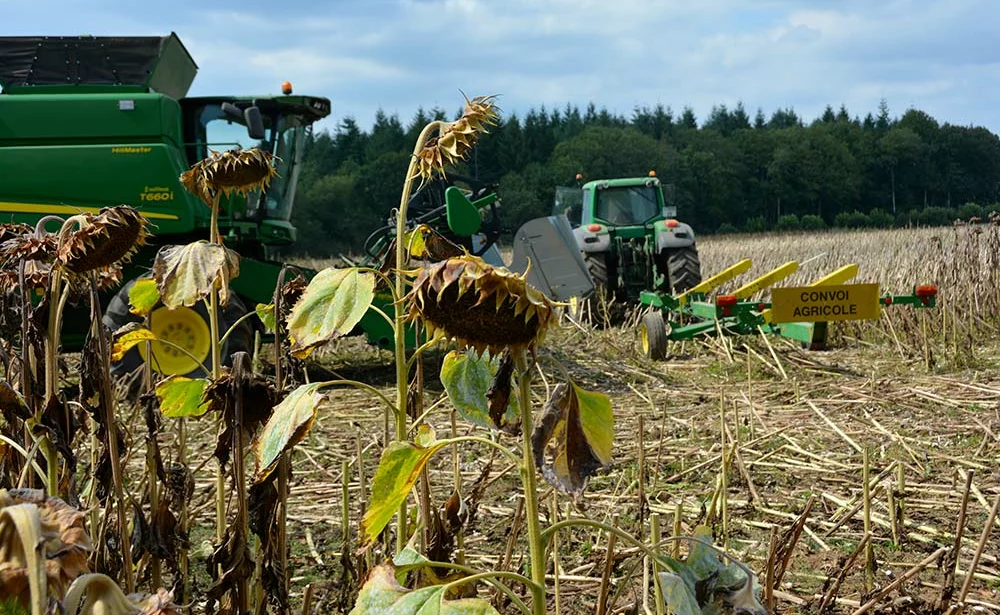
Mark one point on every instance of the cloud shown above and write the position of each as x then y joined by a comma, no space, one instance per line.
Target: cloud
403,54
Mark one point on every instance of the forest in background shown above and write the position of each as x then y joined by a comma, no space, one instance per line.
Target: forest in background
731,172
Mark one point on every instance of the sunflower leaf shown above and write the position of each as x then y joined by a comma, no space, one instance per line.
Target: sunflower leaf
143,297
182,397
125,341
331,306
287,426
467,379
577,430
397,472
266,315
382,593
185,274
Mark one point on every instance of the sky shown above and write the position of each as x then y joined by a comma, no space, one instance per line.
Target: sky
397,55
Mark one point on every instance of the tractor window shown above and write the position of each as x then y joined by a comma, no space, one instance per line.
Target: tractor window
221,133
569,201
288,149
628,205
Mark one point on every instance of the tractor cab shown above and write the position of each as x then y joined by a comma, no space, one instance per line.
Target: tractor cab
276,124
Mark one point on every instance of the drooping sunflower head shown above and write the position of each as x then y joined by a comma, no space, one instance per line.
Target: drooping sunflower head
479,306
456,139
21,245
237,170
104,240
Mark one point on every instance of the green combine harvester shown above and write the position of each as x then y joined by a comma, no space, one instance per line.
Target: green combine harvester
91,122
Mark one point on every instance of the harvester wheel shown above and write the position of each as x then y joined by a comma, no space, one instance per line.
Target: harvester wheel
653,335
186,327
684,268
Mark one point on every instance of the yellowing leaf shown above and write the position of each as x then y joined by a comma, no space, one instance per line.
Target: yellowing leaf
467,381
288,425
185,274
382,594
331,306
576,431
398,470
182,397
126,341
143,297
266,315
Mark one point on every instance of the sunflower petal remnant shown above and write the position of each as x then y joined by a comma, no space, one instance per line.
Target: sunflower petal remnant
456,139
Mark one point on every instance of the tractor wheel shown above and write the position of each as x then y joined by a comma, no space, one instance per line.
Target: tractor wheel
684,268
187,327
601,303
653,335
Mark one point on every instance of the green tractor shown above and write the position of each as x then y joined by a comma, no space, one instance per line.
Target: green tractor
91,122
630,238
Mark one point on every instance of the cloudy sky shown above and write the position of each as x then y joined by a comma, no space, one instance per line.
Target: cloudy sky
940,56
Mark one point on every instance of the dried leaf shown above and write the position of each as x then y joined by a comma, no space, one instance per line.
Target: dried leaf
289,424
128,337
182,397
331,306
185,274
577,428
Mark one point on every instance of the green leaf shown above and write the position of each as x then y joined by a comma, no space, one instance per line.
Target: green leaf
266,315
330,307
185,274
182,397
126,339
288,425
679,598
143,297
466,378
382,594
397,472
576,431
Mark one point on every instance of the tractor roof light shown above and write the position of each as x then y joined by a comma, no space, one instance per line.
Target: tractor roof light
594,228
652,173
925,290
726,300
671,223
286,88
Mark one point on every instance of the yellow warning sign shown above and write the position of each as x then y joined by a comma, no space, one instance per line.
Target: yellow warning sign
825,303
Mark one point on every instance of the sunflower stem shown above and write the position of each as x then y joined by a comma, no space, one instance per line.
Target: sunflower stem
536,545
399,331
213,321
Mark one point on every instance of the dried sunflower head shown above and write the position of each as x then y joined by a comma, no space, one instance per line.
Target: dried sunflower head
110,237
479,306
37,254
237,170
456,139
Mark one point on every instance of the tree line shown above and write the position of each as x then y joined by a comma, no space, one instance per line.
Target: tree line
731,172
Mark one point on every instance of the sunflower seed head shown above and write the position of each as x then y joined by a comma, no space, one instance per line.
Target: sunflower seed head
110,237
238,170
479,306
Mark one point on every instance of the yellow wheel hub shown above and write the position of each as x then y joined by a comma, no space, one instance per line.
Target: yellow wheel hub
181,327
644,339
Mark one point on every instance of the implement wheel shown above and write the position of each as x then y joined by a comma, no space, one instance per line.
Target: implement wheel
653,335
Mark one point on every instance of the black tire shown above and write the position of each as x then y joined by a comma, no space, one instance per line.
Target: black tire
683,268
601,303
654,332
117,315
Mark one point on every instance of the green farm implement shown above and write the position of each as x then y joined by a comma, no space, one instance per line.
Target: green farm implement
800,313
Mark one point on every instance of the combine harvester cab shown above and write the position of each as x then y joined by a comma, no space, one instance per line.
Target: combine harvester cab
92,122
800,313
